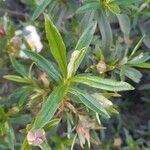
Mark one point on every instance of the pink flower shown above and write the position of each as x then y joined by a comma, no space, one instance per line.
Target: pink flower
2,32
36,137
83,134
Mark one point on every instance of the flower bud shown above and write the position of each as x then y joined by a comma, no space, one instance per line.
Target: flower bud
44,79
16,42
117,143
101,67
14,45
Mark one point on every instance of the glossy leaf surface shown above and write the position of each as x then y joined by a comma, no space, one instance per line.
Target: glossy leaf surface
90,102
43,64
104,84
49,107
43,4
56,44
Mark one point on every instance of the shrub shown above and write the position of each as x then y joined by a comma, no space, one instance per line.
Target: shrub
66,77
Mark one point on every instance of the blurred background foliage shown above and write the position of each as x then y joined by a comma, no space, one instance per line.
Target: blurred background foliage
113,52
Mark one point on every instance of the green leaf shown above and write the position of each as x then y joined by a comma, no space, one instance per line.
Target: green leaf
45,65
137,46
73,98
139,59
102,100
3,116
56,44
131,144
100,83
24,92
49,107
106,32
45,146
133,74
75,61
86,20
107,104
143,65
88,7
90,102
125,24
51,124
114,8
10,137
25,145
18,67
126,2
43,4
86,37
81,48
17,79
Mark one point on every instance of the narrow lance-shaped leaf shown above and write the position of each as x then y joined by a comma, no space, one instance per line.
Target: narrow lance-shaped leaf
24,92
43,4
90,102
86,37
45,146
133,74
142,65
106,32
49,107
10,137
17,79
81,48
126,2
114,8
51,124
86,20
102,100
56,44
137,46
45,65
18,67
88,7
141,58
124,23
25,145
100,83
107,104
75,61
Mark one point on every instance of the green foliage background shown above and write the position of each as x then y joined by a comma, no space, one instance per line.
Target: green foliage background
111,41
